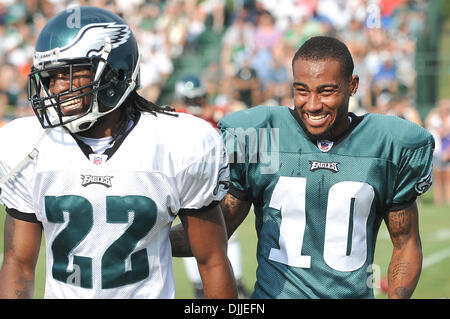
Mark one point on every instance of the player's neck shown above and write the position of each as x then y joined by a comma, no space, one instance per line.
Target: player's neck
105,125
343,126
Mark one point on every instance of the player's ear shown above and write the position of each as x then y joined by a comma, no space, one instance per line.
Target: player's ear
354,84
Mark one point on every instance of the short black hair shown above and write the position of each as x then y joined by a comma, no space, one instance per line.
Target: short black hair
326,48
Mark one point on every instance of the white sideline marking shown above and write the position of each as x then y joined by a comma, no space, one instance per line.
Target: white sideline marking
435,258
442,234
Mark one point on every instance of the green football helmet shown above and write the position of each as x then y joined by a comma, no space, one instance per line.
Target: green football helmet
79,38
191,91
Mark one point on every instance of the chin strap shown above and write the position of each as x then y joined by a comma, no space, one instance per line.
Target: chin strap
31,156
91,118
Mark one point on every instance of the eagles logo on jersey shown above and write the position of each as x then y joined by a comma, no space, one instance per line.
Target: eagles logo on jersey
424,183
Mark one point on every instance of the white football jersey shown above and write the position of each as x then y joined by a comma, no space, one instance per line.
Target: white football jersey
106,220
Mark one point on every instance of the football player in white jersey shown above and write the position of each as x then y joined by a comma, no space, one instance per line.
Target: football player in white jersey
104,172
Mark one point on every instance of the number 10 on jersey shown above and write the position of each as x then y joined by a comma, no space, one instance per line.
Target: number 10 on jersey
345,242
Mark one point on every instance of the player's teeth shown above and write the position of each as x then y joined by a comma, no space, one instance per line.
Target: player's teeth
67,105
317,117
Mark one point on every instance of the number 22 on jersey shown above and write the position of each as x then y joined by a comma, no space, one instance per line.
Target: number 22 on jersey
80,214
345,242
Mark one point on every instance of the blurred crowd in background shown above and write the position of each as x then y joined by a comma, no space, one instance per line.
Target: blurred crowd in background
258,41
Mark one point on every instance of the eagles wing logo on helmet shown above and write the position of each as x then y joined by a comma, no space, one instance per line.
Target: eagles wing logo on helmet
91,36
105,44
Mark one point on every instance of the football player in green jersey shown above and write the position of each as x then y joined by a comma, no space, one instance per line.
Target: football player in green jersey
321,181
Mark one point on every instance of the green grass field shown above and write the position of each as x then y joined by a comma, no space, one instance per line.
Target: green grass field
435,232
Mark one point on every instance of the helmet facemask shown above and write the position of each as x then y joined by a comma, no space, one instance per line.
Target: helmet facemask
47,105
103,44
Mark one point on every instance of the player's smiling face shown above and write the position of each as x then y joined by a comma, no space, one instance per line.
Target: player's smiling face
60,83
321,96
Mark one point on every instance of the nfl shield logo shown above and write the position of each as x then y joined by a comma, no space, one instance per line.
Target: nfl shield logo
324,145
97,159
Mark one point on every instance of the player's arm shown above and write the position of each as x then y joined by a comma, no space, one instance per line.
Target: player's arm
179,241
205,231
406,261
234,211
22,241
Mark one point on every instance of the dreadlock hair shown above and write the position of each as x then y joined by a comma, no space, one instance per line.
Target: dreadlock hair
326,48
134,104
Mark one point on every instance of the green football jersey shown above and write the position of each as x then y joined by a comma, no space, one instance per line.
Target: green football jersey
319,206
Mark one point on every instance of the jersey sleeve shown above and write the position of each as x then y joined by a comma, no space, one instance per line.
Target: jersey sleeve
415,174
16,193
235,150
206,180
236,129
247,135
